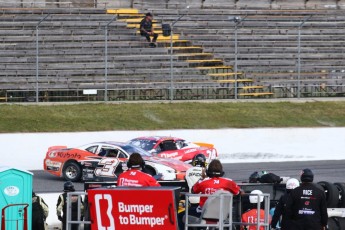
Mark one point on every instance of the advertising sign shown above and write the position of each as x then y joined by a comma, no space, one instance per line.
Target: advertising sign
132,208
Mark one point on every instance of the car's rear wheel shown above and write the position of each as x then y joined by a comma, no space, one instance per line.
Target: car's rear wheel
72,171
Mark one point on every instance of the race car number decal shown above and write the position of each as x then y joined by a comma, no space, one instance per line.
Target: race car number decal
212,154
109,167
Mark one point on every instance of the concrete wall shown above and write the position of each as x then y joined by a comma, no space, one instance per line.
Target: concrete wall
233,145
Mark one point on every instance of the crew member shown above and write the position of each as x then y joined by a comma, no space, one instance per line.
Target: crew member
279,212
193,175
251,216
146,30
61,206
40,212
197,172
134,176
214,182
306,207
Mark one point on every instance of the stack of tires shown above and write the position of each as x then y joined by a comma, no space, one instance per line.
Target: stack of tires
335,196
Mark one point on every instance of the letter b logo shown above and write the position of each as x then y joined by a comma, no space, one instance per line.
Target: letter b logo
100,212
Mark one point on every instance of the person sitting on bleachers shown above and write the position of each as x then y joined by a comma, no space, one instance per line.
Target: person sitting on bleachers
146,30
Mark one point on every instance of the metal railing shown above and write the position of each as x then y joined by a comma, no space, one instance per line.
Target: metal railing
80,212
225,210
226,219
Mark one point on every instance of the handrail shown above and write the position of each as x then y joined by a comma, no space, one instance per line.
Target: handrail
3,216
230,222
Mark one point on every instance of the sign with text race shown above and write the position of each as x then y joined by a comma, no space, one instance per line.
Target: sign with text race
132,208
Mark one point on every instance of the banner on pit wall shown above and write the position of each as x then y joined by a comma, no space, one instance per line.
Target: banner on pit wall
132,209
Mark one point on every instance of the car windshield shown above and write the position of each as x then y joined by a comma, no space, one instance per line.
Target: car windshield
134,149
144,143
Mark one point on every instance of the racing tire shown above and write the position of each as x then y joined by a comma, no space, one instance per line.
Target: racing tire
72,171
332,194
332,224
341,189
341,222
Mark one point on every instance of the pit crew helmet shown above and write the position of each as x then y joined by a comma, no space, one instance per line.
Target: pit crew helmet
215,169
307,175
68,187
253,198
292,183
254,177
199,160
135,161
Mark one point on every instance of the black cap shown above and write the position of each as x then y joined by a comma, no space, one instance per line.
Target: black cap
149,14
68,187
307,175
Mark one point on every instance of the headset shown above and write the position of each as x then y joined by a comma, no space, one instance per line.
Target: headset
214,174
142,165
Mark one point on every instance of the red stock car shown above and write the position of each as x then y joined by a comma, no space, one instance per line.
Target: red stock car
175,148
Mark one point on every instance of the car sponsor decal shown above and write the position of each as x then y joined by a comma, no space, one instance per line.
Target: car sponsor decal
132,209
68,155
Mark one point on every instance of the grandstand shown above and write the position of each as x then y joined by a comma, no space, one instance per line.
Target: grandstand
72,58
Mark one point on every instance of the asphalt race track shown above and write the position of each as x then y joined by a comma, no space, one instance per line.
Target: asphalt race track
332,171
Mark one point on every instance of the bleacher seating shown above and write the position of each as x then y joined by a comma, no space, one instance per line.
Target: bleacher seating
267,45
72,58
71,50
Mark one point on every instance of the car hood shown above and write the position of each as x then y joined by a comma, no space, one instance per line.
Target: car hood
172,163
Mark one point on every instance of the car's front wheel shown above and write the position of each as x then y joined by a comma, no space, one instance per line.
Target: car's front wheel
72,171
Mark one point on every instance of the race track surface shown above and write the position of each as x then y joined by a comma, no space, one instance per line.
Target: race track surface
332,171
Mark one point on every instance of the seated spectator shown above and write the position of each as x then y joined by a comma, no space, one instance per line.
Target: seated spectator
146,30
251,216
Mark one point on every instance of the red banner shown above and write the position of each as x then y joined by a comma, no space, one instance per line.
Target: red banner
132,208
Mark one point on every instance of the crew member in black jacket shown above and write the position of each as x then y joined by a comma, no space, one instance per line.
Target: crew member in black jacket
306,207
279,212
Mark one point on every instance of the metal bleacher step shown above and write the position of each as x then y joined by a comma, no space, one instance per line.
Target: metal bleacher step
231,74
157,31
134,20
137,26
233,81
252,87
187,47
256,94
162,38
214,67
123,11
206,60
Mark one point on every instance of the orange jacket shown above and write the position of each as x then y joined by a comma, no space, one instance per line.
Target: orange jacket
251,217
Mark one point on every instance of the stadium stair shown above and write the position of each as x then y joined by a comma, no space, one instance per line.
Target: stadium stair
195,56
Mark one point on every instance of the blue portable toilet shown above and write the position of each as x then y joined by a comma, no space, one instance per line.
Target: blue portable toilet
15,198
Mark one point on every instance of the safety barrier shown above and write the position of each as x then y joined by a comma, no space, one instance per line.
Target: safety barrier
225,206
69,220
221,207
